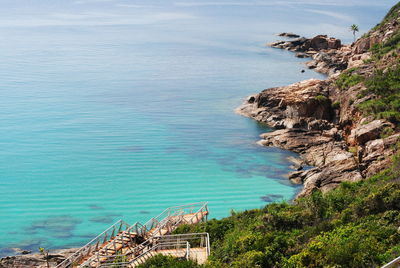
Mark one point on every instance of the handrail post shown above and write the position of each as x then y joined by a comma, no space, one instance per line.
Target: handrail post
208,244
187,250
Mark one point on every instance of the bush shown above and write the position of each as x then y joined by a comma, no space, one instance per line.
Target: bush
160,261
321,98
336,105
386,87
354,225
347,79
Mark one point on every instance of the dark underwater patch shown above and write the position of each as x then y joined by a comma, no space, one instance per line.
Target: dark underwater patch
59,226
271,197
95,207
144,212
108,218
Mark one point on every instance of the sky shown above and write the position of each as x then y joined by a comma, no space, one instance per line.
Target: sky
39,13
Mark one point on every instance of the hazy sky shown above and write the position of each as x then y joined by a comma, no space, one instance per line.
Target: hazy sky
244,17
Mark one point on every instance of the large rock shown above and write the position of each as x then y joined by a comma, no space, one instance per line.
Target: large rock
334,164
362,45
319,42
367,132
334,43
300,105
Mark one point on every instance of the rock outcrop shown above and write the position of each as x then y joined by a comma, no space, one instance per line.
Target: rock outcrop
328,55
322,121
289,35
36,260
307,124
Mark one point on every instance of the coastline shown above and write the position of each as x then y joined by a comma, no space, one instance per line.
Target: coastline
317,120
307,122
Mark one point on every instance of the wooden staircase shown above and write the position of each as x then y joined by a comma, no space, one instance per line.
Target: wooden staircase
189,246
127,242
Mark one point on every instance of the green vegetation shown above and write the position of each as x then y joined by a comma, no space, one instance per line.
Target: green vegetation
354,29
45,254
355,225
348,79
321,98
379,50
336,105
167,261
392,14
386,86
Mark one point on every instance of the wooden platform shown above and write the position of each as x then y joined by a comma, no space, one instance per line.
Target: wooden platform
121,244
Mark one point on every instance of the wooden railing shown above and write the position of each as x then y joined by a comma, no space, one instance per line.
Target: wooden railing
94,245
180,245
123,239
393,264
122,236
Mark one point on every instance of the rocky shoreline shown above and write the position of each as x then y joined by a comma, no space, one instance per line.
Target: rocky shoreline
320,121
317,119
36,260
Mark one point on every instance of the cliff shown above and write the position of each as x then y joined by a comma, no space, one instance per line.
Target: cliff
346,126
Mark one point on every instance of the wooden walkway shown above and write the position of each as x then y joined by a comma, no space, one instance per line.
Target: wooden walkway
179,246
128,242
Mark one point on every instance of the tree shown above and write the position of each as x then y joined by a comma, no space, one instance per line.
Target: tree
45,254
354,28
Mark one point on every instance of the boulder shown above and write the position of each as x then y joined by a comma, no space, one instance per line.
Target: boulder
362,45
334,43
319,42
367,132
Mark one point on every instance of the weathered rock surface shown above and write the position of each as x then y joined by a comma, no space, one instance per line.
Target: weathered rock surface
35,260
301,105
329,55
307,124
363,133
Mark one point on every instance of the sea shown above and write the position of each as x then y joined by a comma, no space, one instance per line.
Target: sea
118,109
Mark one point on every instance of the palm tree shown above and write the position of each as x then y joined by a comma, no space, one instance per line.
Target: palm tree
354,29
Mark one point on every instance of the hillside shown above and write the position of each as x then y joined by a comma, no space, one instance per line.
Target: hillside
348,128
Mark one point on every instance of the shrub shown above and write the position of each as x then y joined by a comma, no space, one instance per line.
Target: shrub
336,105
160,261
321,98
348,79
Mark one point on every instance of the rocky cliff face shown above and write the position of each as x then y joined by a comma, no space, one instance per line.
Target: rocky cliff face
323,121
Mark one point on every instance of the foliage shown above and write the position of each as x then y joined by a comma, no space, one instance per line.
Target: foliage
347,79
386,86
354,225
321,98
159,261
381,49
336,105
354,29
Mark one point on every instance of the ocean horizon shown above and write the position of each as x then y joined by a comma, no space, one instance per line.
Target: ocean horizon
118,109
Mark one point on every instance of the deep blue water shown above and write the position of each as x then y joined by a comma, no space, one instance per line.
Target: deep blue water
113,109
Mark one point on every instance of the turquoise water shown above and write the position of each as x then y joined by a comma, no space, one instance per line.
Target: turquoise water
102,121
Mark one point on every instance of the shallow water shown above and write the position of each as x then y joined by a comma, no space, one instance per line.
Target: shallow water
102,121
